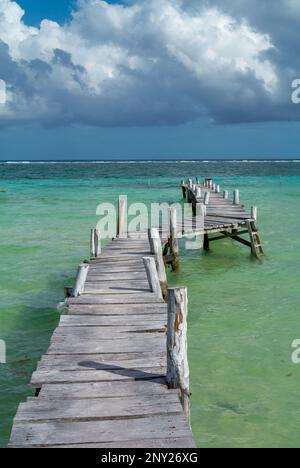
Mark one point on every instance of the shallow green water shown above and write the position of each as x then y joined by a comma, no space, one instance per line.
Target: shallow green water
243,315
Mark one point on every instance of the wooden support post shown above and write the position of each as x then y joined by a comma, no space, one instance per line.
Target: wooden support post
206,243
236,197
160,264
122,208
197,180
254,213
218,189
183,189
190,183
225,194
95,243
178,375
206,198
194,207
214,187
150,238
198,192
201,210
69,291
152,276
174,245
80,279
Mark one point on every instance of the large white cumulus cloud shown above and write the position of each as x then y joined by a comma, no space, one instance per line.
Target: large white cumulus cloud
152,62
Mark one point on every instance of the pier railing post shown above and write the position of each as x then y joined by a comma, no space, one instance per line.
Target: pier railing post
80,279
150,238
160,264
152,275
174,245
183,188
236,197
206,198
177,356
254,213
122,206
225,194
95,243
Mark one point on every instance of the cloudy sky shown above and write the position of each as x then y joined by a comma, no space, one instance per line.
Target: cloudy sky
90,79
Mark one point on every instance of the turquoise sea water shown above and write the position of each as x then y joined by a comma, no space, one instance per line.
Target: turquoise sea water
243,314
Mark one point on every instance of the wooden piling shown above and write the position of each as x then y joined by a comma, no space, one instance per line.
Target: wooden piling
225,195
254,213
122,207
236,197
206,243
160,264
177,356
206,198
183,187
95,243
151,244
198,192
80,279
173,241
69,291
152,275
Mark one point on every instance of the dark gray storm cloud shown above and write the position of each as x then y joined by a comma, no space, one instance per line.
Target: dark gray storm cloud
154,62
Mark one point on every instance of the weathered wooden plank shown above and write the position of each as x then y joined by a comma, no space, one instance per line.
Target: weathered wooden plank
116,321
50,376
139,344
154,443
116,277
36,410
125,259
115,288
141,298
117,309
101,362
105,389
55,433
93,333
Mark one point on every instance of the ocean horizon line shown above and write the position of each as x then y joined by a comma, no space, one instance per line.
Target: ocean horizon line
146,161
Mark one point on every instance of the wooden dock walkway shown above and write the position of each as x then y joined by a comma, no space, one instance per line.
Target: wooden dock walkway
116,372
222,216
103,381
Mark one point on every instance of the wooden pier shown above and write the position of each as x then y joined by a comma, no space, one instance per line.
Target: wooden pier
222,217
116,372
103,381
